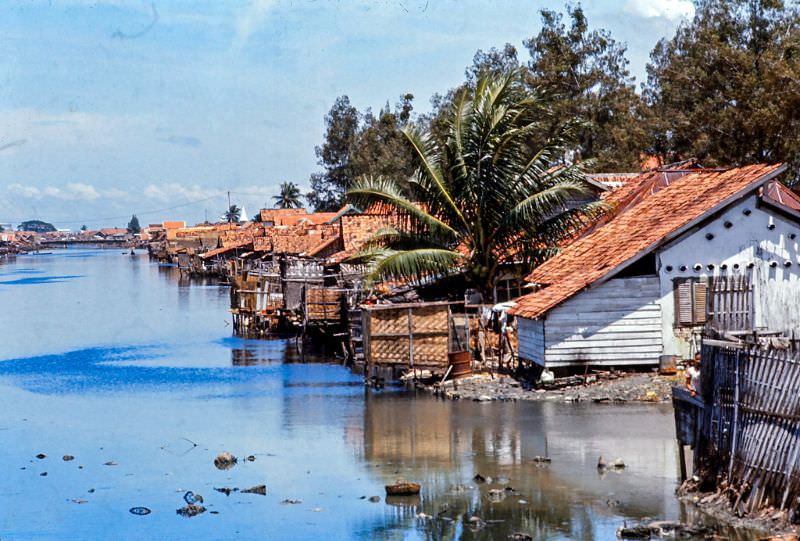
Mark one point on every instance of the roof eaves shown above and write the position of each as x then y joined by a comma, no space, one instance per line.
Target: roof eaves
669,237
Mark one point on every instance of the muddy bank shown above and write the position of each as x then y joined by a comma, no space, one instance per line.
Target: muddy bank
775,525
608,387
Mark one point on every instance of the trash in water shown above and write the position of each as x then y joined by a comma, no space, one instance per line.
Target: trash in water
139,511
67,458
190,497
191,510
225,461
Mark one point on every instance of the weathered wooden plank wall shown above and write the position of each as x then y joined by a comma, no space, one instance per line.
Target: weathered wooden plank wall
614,324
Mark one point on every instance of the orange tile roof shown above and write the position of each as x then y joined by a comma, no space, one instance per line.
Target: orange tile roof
637,230
174,225
783,194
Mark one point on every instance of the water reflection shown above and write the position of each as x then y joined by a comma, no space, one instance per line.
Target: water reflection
128,359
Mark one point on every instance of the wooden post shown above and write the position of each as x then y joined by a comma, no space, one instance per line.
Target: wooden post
411,337
735,423
682,460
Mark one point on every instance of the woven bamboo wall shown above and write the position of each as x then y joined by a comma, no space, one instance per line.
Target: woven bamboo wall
415,334
323,304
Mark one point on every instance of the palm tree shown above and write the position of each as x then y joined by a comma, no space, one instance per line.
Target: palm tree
483,201
289,197
233,213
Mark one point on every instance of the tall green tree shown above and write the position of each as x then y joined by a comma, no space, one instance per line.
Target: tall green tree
726,88
585,72
491,201
232,214
289,196
133,225
380,148
341,128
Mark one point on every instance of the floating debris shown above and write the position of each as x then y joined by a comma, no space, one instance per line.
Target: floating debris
375,499
141,511
190,497
79,501
225,461
251,458
110,463
227,491
403,488
258,489
67,458
40,456
290,501
480,478
43,474
191,510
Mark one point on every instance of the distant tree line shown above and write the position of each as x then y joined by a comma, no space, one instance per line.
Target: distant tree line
725,89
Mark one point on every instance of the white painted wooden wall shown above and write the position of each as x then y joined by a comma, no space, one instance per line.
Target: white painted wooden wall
531,339
749,239
614,324
617,323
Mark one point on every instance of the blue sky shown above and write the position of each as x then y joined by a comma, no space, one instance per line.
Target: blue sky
110,107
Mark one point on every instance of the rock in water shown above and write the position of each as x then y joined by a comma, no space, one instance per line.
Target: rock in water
225,461
258,489
191,510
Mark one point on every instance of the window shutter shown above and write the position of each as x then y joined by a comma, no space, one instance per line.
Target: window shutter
683,303
700,307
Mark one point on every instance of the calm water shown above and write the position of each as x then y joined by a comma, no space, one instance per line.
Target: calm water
114,359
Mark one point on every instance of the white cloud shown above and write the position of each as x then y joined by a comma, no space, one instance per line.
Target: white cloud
250,19
667,9
72,191
174,192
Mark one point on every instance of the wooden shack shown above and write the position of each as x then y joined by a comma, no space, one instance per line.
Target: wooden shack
400,337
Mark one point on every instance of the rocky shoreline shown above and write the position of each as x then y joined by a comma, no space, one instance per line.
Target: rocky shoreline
606,387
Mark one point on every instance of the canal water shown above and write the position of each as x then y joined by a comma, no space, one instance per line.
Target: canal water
120,363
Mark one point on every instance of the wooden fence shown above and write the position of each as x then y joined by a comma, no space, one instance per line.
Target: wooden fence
748,430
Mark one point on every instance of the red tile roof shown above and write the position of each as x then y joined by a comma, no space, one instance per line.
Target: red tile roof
649,217
782,194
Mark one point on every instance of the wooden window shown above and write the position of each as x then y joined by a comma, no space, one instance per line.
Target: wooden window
691,302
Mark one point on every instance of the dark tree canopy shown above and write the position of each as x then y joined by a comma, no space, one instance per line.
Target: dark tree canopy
133,225
328,187
726,87
585,73
357,145
36,226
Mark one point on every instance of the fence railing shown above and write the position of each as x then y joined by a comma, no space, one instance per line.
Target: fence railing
749,434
